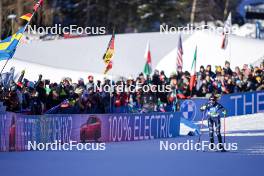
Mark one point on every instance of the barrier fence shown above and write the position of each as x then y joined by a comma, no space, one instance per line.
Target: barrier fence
17,130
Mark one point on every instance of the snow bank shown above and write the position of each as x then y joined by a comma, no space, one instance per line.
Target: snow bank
52,73
245,125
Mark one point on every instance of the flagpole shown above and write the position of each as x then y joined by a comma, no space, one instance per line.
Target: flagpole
7,60
111,93
111,79
4,67
17,44
230,49
229,19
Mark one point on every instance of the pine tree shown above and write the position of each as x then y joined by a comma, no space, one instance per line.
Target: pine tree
123,15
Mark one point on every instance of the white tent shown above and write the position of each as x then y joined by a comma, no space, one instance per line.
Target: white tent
239,51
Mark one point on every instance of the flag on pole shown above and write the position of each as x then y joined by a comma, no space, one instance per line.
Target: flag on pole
227,30
8,45
147,67
179,54
108,56
193,76
37,5
108,67
26,17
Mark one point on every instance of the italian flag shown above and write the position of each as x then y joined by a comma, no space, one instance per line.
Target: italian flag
147,68
193,76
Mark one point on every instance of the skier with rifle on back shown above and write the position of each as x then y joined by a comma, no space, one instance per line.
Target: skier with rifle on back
213,111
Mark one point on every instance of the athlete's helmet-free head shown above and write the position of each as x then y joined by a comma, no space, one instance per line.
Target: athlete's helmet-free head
212,99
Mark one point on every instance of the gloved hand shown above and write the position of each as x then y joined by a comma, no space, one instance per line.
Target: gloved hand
224,112
203,108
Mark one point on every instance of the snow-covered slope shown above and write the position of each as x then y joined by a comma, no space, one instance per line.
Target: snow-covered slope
52,73
85,54
240,51
250,125
81,56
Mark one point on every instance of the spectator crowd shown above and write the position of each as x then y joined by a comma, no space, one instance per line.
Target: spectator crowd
83,97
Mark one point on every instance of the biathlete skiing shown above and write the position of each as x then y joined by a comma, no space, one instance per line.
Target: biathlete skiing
213,111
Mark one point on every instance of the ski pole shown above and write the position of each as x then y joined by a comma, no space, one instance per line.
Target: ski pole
199,139
224,127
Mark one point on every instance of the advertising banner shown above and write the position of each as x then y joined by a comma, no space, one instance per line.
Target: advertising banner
235,104
17,130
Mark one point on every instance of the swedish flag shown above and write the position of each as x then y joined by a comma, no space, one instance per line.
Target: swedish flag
8,46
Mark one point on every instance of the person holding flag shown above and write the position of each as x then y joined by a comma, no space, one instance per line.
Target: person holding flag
107,58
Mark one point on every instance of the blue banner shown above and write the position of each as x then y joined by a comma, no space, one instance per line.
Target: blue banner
235,104
128,127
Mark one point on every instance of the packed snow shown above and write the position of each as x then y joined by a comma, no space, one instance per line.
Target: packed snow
245,125
146,158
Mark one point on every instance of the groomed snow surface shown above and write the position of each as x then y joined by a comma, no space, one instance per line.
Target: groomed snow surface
245,125
145,157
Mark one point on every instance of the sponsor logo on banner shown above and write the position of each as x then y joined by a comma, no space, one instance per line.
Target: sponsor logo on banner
188,109
235,104
18,130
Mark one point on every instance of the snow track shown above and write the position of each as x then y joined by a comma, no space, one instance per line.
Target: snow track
144,158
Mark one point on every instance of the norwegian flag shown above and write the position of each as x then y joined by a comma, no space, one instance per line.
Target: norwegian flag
37,5
179,54
227,30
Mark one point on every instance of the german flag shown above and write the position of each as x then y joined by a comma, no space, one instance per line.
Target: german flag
109,54
26,17
108,67
110,50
